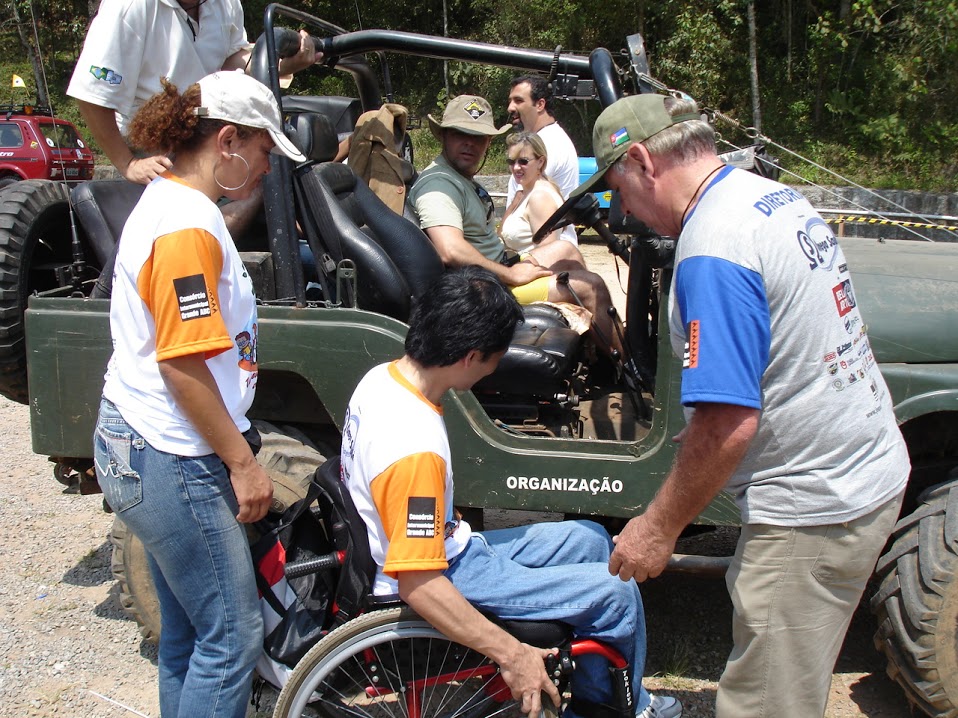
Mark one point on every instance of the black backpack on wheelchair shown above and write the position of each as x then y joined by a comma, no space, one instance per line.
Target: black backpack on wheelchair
303,598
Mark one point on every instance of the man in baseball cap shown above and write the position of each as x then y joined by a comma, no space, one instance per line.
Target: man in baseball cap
631,119
458,216
758,312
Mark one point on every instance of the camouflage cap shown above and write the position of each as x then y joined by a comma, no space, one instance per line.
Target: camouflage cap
630,119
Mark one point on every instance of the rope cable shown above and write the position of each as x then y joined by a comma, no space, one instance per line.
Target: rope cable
752,133
847,200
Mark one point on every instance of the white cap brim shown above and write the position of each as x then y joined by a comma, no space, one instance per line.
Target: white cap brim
285,146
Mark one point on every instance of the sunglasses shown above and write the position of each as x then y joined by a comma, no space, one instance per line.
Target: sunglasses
521,161
487,200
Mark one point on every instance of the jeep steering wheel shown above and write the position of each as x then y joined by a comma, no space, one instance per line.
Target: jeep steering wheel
575,210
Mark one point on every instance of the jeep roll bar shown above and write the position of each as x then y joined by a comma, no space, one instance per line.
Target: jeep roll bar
345,50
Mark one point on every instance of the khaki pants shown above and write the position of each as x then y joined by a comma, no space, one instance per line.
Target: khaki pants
793,592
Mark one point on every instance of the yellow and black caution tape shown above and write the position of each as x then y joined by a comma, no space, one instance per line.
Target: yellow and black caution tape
842,219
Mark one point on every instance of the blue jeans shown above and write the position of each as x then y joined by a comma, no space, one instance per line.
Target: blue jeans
559,572
184,510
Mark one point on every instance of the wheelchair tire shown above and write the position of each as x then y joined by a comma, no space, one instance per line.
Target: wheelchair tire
376,664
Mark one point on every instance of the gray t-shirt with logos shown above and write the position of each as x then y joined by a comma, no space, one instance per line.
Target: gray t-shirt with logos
763,312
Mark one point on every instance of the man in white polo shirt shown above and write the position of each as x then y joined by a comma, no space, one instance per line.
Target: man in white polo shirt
530,109
132,44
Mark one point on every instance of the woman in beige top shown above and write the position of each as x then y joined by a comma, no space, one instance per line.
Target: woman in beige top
538,199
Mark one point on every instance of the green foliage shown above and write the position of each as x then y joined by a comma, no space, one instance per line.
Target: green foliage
867,87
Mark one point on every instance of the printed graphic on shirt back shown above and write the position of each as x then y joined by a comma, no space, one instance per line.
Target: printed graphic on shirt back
818,244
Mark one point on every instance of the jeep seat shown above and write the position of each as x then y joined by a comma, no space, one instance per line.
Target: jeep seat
102,207
397,263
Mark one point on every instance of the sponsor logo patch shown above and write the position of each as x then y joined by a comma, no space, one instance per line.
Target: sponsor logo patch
106,75
844,299
818,244
474,110
421,521
192,298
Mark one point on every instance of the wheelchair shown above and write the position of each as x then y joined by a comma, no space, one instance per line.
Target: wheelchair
387,661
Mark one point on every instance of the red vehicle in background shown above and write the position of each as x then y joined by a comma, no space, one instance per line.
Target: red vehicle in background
35,145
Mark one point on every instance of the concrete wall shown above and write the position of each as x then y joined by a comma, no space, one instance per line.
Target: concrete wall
935,208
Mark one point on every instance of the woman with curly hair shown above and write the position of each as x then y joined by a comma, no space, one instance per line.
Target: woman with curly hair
172,444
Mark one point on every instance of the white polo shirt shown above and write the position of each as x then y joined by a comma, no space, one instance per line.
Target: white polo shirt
132,44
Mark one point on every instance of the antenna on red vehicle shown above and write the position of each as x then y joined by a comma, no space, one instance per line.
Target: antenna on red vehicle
76,249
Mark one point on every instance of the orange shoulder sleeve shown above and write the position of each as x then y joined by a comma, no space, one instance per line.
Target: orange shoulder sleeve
178,284
410,500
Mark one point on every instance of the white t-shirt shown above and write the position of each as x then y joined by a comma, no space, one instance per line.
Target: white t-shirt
763,311
132,44
398,469
516,228
179,288
562,167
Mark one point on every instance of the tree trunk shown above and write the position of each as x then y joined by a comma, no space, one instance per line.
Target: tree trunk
25,40
753,67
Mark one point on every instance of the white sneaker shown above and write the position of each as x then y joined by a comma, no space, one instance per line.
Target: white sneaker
661,707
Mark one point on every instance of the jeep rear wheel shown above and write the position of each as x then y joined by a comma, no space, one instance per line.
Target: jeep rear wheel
132,573
289,458
34,239
917,602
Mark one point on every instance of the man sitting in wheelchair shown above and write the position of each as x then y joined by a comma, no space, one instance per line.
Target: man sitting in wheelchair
396,463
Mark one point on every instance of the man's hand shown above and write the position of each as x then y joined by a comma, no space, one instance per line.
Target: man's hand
526,676
305,57
143,170
641,551
525,272
254,492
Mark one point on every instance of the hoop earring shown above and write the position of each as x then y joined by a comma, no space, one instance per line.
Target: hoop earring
241,184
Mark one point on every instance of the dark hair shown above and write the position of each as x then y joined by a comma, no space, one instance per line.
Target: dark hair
538,90
167,122
466,309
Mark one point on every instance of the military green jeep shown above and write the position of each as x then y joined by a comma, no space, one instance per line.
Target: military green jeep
555,429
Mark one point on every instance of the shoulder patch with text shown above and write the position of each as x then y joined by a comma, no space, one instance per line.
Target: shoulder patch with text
192,297
421,517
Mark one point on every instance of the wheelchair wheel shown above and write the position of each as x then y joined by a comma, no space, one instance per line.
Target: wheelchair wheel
393,663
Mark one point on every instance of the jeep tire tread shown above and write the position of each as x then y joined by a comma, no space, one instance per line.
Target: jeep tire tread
289,458
32,212
917,602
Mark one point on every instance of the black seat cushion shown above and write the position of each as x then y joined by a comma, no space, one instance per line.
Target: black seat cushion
541,634
315,136
403,241
544,316
537,362
102,207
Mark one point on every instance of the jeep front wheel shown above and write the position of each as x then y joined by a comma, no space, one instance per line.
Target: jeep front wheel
917,602
289,458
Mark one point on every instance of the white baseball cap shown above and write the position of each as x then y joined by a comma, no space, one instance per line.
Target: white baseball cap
237,98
